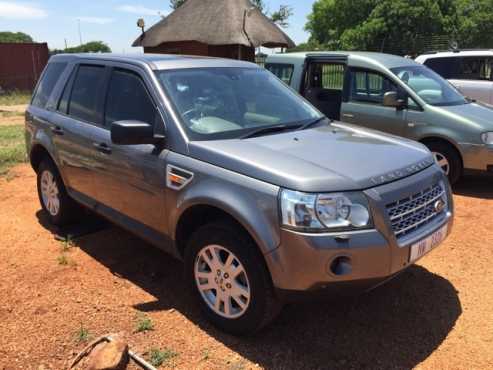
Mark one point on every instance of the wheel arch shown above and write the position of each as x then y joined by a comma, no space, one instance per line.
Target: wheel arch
37,154
439,139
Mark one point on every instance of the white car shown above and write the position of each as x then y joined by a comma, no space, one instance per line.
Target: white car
468,70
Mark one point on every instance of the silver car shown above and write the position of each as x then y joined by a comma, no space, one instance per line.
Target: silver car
222,165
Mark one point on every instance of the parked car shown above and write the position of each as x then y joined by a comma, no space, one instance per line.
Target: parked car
468,70
395,95
222,165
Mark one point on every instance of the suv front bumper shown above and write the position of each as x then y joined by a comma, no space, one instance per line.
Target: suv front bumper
303,261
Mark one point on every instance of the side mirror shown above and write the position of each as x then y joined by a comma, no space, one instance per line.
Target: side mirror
390,99
133,133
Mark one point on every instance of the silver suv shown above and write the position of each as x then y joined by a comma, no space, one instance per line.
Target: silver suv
220,164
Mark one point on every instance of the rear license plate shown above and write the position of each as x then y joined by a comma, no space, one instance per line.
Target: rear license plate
419,249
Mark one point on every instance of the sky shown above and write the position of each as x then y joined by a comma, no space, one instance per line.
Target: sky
110,21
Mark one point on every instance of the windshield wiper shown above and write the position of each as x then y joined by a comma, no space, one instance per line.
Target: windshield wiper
314,122
270,130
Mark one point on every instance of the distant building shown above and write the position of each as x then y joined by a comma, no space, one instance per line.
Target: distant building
21,64
218,28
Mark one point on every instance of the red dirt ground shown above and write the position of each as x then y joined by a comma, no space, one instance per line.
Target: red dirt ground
436,315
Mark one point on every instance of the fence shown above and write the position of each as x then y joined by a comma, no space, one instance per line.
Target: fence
21,65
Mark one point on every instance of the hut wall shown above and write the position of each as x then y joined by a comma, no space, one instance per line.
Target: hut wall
198,48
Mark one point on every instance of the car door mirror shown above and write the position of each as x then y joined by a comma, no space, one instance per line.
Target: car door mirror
390,99
133,133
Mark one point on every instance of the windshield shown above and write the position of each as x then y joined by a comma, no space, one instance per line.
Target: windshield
228,103
430,87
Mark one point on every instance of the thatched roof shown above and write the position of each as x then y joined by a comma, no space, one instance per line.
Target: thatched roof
216,22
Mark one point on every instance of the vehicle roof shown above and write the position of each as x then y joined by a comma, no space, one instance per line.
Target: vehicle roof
462,53
354,58
158,61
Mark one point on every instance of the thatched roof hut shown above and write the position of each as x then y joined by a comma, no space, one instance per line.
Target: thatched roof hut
222,28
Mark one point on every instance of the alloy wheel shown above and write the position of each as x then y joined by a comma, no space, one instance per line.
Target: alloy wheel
50,193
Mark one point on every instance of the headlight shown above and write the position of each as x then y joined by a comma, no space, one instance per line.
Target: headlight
487,138
324,212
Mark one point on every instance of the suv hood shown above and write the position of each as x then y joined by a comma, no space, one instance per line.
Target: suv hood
336,157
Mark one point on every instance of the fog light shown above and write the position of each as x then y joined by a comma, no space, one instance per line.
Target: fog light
341,266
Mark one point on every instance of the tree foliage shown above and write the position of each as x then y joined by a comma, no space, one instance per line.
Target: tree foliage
399,25
89,47
280,16
17,37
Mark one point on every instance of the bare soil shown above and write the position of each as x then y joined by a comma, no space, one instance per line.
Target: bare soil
436,315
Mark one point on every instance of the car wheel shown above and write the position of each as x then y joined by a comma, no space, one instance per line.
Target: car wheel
229,279
448,159
57,204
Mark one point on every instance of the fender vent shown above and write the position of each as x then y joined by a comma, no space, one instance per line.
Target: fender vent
177,178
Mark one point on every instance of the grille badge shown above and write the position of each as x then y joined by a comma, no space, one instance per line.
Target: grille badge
439,205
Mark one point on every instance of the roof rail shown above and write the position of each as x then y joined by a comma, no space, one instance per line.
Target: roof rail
454,51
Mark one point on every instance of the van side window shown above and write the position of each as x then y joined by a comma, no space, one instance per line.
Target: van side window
128,99
475,68
369,87
445,67
327,76
86,93
283,71
48,81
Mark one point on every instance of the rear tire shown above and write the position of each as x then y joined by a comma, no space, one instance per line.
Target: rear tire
60,209
213,257
448,159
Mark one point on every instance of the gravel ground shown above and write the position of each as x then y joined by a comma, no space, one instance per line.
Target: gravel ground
436,315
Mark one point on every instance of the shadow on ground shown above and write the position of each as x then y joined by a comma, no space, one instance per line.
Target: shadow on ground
396,326
477,186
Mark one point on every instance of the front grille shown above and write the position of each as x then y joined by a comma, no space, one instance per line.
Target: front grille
412,213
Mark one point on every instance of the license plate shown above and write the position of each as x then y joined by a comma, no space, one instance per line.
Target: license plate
419,249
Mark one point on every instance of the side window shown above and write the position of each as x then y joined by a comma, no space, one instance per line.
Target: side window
50,78
445,67
283,71
369,86
475,68
64,99
128,99
86,93
326,76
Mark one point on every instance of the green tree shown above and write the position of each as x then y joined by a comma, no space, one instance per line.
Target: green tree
15,37
398,26
89,47
475,22
280,16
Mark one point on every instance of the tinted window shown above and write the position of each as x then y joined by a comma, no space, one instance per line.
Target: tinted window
445,67
47,83
283,71
369,86
128,99
63,103
86,93
475,68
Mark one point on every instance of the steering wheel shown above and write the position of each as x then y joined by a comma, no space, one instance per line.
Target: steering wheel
189,112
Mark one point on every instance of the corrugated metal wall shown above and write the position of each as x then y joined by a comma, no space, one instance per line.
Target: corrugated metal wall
21,64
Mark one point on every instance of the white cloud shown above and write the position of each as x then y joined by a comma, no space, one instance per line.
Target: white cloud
10,10
140,10
96,20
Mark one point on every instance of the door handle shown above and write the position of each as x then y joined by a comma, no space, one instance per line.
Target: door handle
102,148
57,130
348,115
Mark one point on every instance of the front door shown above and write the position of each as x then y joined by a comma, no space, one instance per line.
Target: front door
364,105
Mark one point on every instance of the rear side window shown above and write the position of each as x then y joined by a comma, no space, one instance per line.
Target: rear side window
445,67
48,81
283,71
86,93
475,68
128,99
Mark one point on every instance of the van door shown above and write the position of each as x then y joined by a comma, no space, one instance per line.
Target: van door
363,102
323,83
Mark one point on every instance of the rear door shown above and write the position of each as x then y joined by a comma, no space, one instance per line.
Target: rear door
363,103
323,83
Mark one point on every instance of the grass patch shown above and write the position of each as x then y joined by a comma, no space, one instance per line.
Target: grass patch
82,334
12,147
62,260
15,98
11,114
67,244
158,357
144,323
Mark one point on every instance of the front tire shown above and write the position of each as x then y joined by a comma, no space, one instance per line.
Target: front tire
229,279
447,159
60,209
